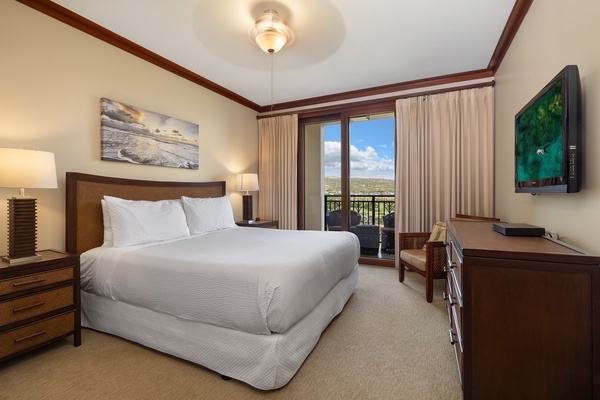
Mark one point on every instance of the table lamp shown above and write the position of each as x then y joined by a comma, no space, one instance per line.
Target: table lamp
247,182
21,168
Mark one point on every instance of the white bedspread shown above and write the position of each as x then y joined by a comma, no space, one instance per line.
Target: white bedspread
249,279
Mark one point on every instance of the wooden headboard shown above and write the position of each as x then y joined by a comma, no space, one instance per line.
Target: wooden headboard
85,228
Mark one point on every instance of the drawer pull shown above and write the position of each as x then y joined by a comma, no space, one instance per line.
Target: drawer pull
448,298
451,303
451,263
16,310
457,289
452,341
29,282
31,336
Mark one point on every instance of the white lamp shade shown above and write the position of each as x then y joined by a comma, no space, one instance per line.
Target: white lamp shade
271,41
21,168
247,182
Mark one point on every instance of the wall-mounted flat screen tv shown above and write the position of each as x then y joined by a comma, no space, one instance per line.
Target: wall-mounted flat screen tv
548,134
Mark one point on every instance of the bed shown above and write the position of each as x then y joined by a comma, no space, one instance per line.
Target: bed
248,303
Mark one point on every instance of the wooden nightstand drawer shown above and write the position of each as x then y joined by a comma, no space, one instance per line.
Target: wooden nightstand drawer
14,285
37,304
263,223
34,334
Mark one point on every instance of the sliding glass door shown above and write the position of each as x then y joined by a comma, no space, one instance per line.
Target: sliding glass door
371,180
322,172
348,176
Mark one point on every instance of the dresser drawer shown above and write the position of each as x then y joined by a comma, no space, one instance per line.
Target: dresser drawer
455,264
453,302
15,285
37,333
25,307
457,324
456,342
449,297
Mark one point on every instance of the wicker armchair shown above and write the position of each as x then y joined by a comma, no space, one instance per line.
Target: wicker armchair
368,235
388,234
430,263
333,220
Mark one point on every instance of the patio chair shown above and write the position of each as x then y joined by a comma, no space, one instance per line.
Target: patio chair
333,220
368,235
388,234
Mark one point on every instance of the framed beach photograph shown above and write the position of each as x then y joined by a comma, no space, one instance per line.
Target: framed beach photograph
134,135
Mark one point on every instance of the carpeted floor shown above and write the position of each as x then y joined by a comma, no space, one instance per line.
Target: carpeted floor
388,343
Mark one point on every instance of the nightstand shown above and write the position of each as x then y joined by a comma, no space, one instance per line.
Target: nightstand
263,223
39,302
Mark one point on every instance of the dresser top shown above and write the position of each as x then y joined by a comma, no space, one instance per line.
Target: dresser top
477,238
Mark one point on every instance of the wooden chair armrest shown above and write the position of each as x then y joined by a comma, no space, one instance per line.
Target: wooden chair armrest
436,256
413,240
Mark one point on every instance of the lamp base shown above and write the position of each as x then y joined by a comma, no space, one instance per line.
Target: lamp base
247,207
22,227
19,260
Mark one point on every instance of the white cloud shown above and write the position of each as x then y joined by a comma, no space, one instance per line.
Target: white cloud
332,154
363,163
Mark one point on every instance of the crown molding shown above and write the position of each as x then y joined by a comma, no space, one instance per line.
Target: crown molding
78,22
85,25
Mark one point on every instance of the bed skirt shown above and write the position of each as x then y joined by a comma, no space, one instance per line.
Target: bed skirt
263,361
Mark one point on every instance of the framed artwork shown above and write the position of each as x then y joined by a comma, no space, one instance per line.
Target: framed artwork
134,135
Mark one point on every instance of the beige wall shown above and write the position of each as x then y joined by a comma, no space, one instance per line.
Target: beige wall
52,78
554,33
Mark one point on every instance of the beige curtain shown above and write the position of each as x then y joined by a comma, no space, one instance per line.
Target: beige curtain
278,169
444,157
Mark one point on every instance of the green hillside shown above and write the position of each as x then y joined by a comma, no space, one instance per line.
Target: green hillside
360,185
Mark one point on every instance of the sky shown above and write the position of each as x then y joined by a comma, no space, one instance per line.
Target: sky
371,149
151,121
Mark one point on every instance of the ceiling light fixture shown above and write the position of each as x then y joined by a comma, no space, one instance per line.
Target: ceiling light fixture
271,32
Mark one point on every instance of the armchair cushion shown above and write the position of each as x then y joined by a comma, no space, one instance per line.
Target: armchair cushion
438,233
415,257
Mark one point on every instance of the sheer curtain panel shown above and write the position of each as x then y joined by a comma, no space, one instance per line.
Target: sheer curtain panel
444,157
278,169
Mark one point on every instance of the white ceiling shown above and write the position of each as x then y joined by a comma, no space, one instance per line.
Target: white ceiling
340,45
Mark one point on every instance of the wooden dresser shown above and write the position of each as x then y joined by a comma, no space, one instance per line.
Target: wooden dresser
39,302
524,315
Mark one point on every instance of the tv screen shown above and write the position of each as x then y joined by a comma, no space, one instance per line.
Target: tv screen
548,136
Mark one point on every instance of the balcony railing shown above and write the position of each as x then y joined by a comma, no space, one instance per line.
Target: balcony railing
371,207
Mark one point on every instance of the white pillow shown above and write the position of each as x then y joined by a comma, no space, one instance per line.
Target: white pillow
108,236
138,222
208,215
